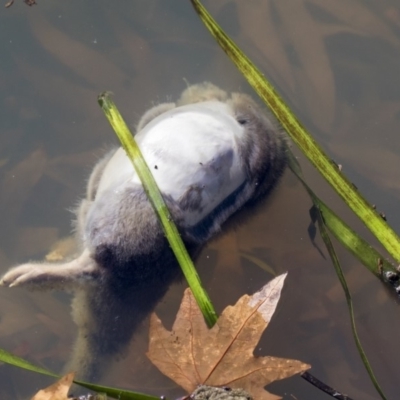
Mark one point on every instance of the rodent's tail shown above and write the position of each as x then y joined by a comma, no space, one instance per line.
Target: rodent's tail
107,317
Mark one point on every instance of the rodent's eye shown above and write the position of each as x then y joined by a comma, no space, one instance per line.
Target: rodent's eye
242,121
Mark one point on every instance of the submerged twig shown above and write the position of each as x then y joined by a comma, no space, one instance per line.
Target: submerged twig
27,2
324,387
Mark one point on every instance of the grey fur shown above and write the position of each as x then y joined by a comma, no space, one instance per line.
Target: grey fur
126,265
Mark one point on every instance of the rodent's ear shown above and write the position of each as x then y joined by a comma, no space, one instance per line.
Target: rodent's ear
205,91
152,113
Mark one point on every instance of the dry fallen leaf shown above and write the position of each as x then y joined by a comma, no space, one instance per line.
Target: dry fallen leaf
18,182
57,391
77,55
191,354
62,249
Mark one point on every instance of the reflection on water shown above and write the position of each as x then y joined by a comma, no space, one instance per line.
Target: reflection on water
337,65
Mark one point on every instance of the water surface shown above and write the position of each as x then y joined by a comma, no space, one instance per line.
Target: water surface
336,64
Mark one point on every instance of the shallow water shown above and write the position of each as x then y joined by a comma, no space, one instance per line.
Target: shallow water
336,64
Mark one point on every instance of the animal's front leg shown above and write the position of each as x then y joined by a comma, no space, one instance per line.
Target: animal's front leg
53,276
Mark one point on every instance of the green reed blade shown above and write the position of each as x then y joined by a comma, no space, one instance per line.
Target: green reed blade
339,273
353,242
302,138
149,184
9,358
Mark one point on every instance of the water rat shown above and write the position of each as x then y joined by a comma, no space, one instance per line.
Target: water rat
214,156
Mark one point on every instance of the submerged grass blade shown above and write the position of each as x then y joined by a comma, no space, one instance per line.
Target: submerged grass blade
339,272
302,138
117,393
149,184
368,256
326,218
258,261
114,393
21,363
325,166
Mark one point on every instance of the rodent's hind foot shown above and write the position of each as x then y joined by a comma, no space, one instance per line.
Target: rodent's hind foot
52,276
23,274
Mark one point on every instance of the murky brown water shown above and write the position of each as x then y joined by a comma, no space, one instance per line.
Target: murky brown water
337,65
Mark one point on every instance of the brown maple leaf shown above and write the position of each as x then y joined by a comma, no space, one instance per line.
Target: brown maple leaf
57,391
191,354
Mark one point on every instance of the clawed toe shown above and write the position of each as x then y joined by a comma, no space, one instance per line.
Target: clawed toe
22,275
49,276
8,280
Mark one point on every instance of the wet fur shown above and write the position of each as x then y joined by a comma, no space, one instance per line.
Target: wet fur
126,265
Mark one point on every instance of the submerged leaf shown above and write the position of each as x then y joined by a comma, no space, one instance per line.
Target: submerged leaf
57,391
191,354
14,192
315,70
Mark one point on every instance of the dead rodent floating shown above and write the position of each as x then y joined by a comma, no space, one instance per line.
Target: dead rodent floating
214,156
